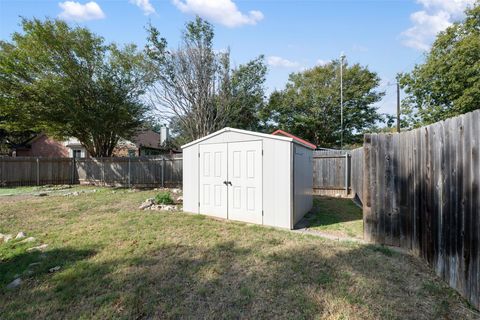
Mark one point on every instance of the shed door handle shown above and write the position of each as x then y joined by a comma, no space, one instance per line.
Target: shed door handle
227,183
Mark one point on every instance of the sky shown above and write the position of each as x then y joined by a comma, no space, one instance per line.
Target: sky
388,36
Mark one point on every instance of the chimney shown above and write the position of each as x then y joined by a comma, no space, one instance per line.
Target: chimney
164,135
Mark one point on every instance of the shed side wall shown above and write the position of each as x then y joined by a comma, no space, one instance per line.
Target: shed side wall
190,179
303,182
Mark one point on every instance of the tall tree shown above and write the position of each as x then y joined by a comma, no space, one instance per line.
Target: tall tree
309,106
68,83
197,90
448,83
247,96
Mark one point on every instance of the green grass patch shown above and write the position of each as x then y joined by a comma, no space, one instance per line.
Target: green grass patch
120,262
336,216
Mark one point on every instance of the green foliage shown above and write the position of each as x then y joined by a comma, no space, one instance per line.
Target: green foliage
448,83
68,83
309,106
164,197
247,94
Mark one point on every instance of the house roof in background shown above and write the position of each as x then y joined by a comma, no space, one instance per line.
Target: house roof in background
286,134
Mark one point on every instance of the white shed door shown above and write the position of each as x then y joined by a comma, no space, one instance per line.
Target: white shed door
245,181
213,174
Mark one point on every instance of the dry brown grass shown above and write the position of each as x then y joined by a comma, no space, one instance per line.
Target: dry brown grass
119,262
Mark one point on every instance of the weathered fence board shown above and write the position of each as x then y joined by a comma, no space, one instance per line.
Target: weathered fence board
356,172
421,192
141,172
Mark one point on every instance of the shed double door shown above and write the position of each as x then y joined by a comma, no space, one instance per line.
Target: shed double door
231,180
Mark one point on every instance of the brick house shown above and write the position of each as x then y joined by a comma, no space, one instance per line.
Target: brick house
146,142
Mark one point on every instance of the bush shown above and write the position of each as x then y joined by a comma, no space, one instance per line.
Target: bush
164,198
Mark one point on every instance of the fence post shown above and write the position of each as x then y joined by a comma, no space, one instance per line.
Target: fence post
346,173
38,172
103,170
129,174
73,171
163,172
367,210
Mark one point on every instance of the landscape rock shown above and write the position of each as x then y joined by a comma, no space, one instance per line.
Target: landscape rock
146,204
14,284
54,269
42,194
6,237
33,264
38,248
29,239
164,207
180,199
20,235
176,191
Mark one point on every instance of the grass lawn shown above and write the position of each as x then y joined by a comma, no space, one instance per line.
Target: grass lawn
337,216
119,262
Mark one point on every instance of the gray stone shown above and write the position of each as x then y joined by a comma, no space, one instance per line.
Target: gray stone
176,191
38,248
167,207
7,237
54,269
33,264
29,239
180,199
14,284
146,204
20,235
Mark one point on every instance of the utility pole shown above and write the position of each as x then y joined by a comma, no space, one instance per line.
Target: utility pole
398,107
341,100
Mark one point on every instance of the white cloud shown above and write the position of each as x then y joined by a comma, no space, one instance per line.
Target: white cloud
221,11
80,12
145,5
280,62
321,62
436,16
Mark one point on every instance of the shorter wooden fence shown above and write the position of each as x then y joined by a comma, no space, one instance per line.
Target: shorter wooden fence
138,171
338,172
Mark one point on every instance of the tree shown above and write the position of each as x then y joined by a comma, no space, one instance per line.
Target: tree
247,96
448,83
309,106
196,88
67,82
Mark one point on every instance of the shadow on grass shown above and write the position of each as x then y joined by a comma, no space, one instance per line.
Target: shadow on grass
327,211
231,281
28,265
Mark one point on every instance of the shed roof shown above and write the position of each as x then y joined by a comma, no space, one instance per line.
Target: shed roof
253,133
286,134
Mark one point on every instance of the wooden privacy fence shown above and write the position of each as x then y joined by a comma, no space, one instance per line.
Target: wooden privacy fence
338,172
140,171
421,192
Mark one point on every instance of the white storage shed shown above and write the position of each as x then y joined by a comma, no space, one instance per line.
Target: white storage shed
248,176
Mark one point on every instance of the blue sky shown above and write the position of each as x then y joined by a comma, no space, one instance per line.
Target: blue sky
389,36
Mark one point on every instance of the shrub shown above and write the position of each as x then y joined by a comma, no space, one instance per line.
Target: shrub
164,198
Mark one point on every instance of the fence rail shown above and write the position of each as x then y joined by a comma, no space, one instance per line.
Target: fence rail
139,171
422,192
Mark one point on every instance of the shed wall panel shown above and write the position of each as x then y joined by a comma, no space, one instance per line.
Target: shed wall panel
303,182
190,179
